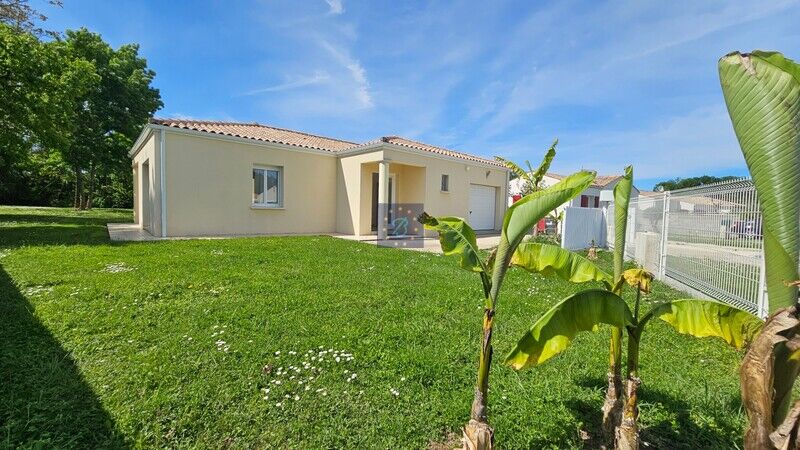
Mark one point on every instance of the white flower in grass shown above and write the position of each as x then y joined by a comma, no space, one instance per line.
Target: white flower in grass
279,404
403,379
296,397
277,353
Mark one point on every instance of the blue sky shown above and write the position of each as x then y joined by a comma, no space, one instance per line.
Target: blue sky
617,83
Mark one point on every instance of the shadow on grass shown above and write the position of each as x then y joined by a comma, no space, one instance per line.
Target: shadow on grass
44,400
670,424
51,229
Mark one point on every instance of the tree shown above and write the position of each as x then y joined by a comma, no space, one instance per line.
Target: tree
683,183
19,15
41,88
110,115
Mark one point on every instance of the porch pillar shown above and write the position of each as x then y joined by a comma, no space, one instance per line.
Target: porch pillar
383,199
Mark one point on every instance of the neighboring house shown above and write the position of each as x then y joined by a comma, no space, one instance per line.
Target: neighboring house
598,195
206,178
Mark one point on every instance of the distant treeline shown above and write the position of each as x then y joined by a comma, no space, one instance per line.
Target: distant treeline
682,183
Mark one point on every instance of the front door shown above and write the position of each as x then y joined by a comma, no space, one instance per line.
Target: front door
375,201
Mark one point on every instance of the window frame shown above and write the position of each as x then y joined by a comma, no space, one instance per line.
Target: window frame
278,204
444,185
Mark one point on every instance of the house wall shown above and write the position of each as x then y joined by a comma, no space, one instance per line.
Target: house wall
462,174
209,188
148,153
353,190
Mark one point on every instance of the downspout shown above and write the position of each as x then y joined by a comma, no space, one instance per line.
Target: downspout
162,182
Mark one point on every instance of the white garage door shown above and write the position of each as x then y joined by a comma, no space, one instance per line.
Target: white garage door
481,206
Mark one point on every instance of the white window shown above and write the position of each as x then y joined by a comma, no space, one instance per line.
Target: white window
268,187
445,183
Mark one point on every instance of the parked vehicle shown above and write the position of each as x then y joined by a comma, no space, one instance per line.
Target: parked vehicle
745,229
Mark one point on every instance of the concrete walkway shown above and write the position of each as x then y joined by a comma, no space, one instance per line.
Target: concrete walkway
120,232
128,232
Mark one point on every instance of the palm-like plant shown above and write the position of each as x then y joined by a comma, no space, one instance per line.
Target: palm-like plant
532,179
458,238
585,311
762,92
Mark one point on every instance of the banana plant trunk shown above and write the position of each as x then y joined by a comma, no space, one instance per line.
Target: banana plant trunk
612,407
478,435
766,377
627,434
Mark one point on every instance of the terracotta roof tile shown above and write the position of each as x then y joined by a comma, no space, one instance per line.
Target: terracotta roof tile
397,140
259,132
265,133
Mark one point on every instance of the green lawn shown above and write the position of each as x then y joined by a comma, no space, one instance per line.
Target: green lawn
171,344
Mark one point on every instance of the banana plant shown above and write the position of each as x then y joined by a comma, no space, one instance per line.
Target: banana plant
762,93
457,238
587,310
532,178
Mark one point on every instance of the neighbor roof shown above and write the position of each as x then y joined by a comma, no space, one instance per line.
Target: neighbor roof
266,133
600,181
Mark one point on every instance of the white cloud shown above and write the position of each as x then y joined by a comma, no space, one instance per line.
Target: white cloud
696,142
336,6
319,77
357,72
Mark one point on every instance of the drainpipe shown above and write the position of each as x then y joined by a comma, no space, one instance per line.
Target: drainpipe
163,185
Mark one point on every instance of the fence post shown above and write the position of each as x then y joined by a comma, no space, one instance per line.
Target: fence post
763,301
662,263
564,229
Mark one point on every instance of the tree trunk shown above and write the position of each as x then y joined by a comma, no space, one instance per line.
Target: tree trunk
77,200
612,407
87,204
766,402
478,435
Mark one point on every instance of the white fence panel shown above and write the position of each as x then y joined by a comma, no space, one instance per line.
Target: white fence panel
706,240
582,226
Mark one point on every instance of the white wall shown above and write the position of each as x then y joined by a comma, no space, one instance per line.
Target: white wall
581,226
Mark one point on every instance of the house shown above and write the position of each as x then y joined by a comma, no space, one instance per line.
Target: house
208,178
598,195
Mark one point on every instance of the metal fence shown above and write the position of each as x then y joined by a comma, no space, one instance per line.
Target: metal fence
705,240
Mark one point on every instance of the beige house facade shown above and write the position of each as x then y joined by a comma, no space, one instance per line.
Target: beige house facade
204,178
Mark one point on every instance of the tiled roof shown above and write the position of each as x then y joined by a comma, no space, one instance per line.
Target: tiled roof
600,181
439,150
289,137
259,133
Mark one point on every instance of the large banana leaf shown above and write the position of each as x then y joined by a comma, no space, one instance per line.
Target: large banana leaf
524,214
762,92
456,238
552,260
553,332
622,197
703,318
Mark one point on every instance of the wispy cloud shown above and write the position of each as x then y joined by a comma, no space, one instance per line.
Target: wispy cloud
336,6
357,72
318,77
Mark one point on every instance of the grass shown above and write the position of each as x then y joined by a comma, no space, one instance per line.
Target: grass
118,345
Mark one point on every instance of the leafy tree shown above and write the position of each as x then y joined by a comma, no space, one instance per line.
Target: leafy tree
109,116
682,183
40,88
